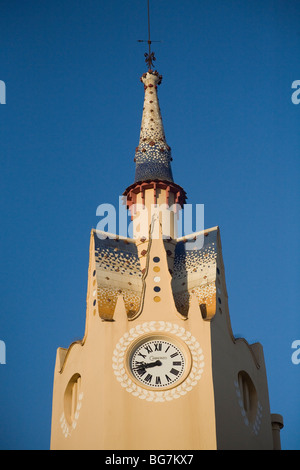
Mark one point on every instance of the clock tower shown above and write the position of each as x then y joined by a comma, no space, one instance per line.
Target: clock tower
158,366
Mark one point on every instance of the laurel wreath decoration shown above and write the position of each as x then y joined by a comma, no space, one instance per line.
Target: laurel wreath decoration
119,357
255,426
65,427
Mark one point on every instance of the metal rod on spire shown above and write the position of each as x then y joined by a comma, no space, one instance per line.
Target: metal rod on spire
149,40
150,58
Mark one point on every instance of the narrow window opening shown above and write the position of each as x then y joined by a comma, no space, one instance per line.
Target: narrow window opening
71,397
248,395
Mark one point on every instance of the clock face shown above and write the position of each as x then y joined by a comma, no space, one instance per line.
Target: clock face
158,362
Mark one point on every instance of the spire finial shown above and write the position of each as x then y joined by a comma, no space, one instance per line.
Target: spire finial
149,56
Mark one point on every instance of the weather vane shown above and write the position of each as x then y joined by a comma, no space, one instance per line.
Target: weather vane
150,58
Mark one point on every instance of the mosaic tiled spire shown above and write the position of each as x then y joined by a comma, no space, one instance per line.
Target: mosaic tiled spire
153,155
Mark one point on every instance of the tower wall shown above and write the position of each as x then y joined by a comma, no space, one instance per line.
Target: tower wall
111,412
223,403
242,410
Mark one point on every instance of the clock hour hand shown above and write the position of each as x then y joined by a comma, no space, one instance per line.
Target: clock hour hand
153,364
143,365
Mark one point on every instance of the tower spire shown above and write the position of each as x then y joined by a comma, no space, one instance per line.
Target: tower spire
153,183
153,155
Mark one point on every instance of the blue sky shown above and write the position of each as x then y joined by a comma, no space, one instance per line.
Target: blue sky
68,133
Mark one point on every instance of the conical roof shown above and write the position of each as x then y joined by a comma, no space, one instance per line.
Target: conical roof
153,155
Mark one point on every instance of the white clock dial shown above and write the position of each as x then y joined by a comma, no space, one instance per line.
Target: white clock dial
158,362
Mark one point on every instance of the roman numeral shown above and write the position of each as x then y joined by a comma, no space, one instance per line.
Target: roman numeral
174,354
141,371
168,378
148,349
157,381
140,354
148,378
174,371
157,346
176,363
167,349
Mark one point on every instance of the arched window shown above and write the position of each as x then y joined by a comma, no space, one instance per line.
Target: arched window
248,395
71,397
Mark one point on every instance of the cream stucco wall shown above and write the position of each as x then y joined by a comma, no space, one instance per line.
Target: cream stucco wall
205,412
110,416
